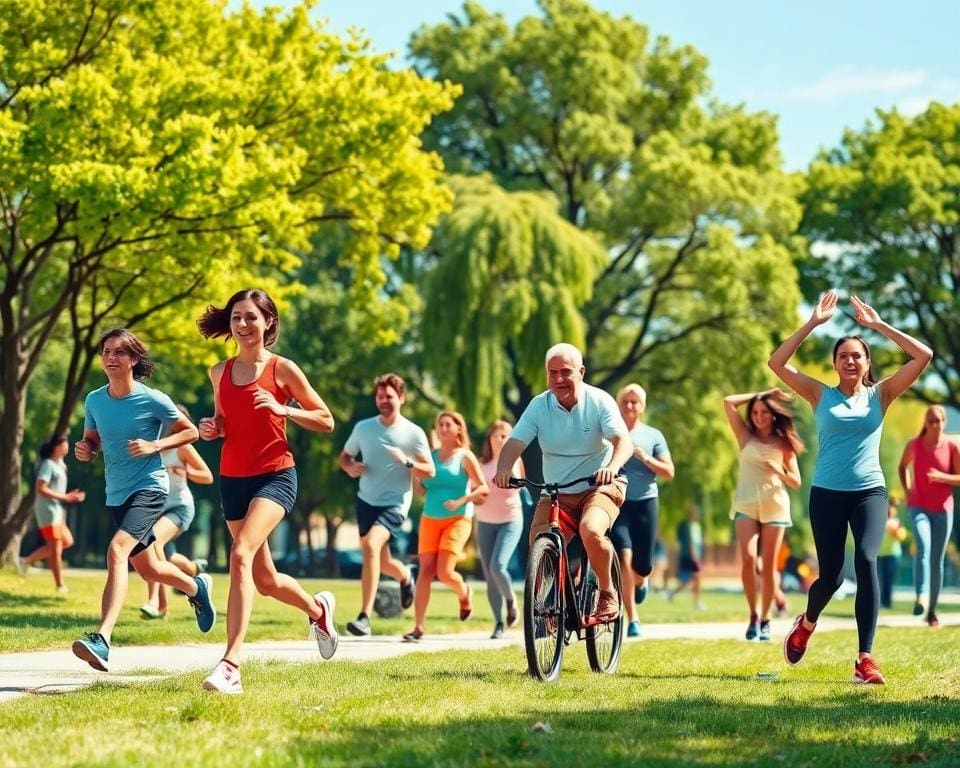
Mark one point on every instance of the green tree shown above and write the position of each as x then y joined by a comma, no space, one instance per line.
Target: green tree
884,207
151,151
686,196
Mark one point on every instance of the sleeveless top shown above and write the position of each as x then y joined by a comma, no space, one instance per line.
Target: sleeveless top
255,440
931,497
848,428
761,494
450,482
180,495
502,505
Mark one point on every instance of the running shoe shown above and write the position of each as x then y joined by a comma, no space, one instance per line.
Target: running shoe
202,602
466,606
511,613
147,611
497,631
633,629
640,594
932,620
63,589
360,626
867,671
795,643
918,608
407,590
225,678
323,630
94,650
413,636
608,606
201,565
753,628
764,636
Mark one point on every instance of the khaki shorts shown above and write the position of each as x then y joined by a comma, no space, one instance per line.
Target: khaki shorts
605,497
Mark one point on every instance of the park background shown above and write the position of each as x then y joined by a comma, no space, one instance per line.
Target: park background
448,202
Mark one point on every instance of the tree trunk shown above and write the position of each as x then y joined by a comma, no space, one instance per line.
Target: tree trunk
332,561
14,509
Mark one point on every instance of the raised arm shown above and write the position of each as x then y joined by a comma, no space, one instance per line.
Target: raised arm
806,386
920,354
731,406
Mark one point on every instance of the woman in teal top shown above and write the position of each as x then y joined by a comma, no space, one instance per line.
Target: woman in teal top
848,485
447,518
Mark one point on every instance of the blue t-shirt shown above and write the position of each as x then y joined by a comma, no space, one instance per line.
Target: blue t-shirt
641,480
386,482
450,482
144,414
848,457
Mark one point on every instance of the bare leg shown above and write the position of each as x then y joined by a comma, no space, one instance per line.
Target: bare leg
428,570
40,553
185,564
371,545
447,574
748,532
393,567
281,587
165,530
593,533
115,590
771,537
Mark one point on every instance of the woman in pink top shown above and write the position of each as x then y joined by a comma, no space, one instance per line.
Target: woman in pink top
936,469
499,526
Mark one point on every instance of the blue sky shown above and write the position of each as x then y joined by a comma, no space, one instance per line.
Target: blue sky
820,66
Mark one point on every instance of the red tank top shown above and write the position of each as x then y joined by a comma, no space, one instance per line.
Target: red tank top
931,497
255,440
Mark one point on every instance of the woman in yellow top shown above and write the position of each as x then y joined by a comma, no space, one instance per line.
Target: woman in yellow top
769,445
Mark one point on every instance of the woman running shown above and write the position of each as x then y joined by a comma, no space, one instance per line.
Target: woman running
183,464
848,485
499,527
258,478
52,494
936,470
769,445
445,525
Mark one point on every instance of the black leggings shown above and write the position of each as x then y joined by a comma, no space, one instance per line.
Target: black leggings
636,529
866,514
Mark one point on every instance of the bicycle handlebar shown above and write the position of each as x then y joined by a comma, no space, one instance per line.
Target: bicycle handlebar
520,482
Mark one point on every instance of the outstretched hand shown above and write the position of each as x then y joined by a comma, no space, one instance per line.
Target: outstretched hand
825,307
866,315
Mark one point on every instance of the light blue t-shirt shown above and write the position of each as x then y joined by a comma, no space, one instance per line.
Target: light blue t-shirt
144,414
385,482
641,480
450,482
50,511
574,443
848,457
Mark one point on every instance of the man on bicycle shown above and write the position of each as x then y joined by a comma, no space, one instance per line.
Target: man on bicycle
581,433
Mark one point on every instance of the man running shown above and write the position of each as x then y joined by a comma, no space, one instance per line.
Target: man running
125,420
391,448
581,434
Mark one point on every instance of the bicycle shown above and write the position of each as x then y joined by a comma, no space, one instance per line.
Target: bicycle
555,598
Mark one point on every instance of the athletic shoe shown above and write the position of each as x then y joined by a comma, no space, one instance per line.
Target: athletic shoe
147,611
633,629
63,589
225,678
201,565
94,650
323,630
511,613
781,608
918,608
932,620
764,636
867,671
360,626
407,590
701,606
753,628
640,594
202,602
497,631
608,606
795,643
466,606
413,636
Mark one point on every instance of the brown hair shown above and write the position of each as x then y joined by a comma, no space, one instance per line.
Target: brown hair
390,380
133,347
783,425
486,454
869,379
939,409
215,322
464,437
46,449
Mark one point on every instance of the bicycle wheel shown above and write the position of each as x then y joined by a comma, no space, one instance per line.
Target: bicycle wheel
603,640
543,611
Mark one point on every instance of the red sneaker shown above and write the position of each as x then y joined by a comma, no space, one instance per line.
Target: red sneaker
866,671
795,643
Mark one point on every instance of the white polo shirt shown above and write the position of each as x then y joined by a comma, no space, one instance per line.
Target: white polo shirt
575,443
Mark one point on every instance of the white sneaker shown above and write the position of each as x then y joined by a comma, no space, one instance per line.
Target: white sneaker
323,630
63,589
225,678
22,568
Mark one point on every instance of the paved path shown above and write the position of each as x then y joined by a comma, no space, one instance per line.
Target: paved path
41,672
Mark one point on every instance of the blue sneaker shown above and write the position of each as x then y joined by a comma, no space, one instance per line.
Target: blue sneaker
633,629
640,594
94,650
202,602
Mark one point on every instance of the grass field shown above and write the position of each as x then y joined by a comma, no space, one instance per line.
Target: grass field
672,703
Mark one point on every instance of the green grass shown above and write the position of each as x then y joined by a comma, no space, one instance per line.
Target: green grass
34,617
672,703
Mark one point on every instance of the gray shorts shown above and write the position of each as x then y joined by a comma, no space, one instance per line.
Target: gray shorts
181,515
137,516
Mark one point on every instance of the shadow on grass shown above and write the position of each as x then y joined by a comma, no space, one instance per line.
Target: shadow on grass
12,600
58,621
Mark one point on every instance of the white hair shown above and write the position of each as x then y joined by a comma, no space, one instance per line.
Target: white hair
566,351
